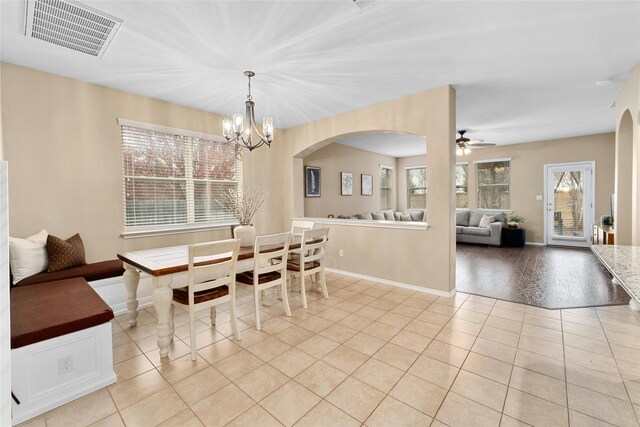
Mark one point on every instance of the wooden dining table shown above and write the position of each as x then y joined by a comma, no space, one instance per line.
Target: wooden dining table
168,268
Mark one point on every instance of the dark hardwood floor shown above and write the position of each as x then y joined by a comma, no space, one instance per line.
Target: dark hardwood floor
549,277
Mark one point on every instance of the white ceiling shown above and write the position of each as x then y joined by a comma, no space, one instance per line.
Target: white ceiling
387,143
523,71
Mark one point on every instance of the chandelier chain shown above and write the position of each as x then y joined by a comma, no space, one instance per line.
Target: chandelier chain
249,97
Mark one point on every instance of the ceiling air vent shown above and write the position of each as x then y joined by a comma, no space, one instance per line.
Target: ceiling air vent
70,25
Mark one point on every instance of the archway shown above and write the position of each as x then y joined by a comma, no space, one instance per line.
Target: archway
624,182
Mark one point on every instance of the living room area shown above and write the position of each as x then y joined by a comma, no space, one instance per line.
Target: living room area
426,323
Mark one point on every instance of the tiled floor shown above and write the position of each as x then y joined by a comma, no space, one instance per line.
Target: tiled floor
376,355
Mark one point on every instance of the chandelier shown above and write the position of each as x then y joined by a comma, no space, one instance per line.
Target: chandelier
239,130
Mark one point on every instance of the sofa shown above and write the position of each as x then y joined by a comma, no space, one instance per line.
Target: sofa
469,230
414,215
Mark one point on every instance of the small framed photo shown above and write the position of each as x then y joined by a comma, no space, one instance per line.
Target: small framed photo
366,185
312,181
346,180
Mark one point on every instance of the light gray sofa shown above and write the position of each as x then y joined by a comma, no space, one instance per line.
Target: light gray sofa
389,215
468,231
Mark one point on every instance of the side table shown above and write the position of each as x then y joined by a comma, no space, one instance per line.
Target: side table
513,237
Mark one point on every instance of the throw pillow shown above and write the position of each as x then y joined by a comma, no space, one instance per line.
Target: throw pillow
388,215
397,215
405,217
366,215
417,216
27,256
378,216
474,219
65,254
486,221
462,217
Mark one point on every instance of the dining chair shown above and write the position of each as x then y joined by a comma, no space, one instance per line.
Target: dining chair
270,256
298,226
208,284
310,260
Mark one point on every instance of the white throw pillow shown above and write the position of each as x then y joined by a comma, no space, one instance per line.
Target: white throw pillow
28,256
486,221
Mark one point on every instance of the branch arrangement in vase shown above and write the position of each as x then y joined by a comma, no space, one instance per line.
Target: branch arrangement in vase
243,204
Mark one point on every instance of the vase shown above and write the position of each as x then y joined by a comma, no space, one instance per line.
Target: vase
512,225
246,234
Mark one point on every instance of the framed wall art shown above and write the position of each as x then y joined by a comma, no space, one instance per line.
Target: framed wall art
366,185
346,180
312,181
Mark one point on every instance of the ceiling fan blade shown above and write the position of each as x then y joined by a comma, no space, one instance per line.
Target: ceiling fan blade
480,144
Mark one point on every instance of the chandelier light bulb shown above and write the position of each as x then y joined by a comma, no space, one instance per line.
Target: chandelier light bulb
467,150
459,151
267,127
227,128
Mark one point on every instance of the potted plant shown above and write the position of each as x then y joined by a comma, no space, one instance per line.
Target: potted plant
514,219
244,204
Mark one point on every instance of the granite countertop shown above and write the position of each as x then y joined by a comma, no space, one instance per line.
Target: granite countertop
624,263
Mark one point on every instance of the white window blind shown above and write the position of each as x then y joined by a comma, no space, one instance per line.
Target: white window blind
417,188
493,183
385,187
174,180
462,185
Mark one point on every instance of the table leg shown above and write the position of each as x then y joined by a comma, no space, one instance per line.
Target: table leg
131,279
162,296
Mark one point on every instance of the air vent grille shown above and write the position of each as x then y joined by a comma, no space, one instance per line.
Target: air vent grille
70,25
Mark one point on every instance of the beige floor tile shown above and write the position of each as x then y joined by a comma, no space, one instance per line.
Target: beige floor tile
292,362
533,410
539,385
349,306
505,324
588,360
600,406
149,343
269,348
477,307
294,335
397,356
239,365
423,328
219,351
597,381
125,352
446,353
256,416
153,409
275,325
633,388
128,392
83,411
182,368
355,322
434,371
456,338
517,316
627,354
480,389
407,310
511,305
582,420
325,413
370,313
419,394
113,420
177,349
317,346
222,406
582,320
542,333
393,412
542,347
397,320
252,336
488,368
433,318
481,300
321,378
185,418
381,330
290,403
411,341
544,312
629,371
355,398
261,382
345,359
471,316
315,324
444,309
541,364
543,322
461,325
206,337
584,331
365,344
132,367
503,352
362,299
500,335
456,410
586,344
383,304
507,421
41,421
200,385
622,339
338,333
378,375
120,338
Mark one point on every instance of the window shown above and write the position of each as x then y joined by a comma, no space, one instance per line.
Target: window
462,185
417,188
493,179
172,179
385,187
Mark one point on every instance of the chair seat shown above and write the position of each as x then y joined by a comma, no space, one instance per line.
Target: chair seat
295,265
247,277
181,295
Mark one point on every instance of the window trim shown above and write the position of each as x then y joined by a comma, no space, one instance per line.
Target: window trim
170,130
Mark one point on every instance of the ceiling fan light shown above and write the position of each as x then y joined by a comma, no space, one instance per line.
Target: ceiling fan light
459,151
467,150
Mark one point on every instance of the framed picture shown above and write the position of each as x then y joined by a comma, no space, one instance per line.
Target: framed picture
366,185
346,179
312,181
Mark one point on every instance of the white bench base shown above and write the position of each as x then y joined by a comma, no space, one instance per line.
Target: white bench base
113,292
35,370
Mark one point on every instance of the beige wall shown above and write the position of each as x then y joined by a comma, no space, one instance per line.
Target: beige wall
527,173
627,221
336,158
62,142
403,164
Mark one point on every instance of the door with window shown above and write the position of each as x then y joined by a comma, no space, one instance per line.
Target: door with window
569,203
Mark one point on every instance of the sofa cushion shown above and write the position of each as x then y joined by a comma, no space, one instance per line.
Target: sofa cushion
417,216
458,229
48,310
90,272
397,216
474,218
64,254
462,217
366,215
500,217
476,231
378,216
486,221
405,217
27,256
388,215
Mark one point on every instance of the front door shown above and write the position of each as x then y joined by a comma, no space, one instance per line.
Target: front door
569,203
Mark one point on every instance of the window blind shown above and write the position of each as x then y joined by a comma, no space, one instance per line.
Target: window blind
493,183
462,185
385,187
417,188
174,180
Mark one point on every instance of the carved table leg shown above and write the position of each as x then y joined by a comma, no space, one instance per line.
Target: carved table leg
131,279
162,295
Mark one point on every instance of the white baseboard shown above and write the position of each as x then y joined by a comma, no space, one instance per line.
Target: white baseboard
534,244
394,283
113,292
121,308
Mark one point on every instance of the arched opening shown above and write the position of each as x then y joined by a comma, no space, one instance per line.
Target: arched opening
624,182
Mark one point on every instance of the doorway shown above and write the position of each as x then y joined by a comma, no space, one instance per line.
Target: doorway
569,203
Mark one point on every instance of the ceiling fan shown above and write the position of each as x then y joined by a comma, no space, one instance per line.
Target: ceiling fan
464,144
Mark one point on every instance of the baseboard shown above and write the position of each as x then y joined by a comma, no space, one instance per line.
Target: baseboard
121,308
534,244
394,283
112,291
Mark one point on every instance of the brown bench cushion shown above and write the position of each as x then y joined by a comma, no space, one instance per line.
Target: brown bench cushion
90,272
48,310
